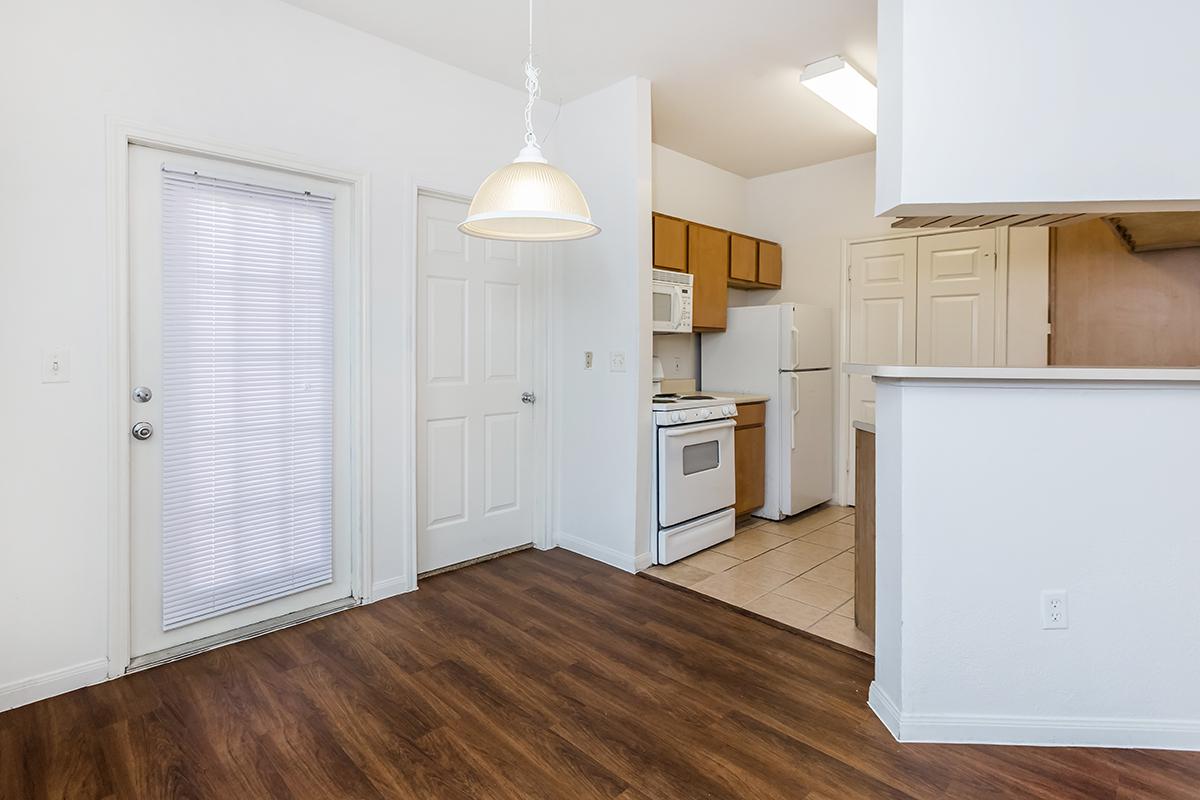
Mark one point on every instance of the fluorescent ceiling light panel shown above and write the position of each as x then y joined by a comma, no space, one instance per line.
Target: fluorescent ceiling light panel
844,88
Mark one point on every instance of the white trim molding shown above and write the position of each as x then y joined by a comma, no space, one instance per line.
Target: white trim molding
382,590
1035,731
48,684
599,552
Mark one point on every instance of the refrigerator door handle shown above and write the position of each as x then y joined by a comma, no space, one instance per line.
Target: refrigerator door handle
795,405
795,348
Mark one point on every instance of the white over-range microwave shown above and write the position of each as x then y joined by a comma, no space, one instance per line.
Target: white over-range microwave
672,302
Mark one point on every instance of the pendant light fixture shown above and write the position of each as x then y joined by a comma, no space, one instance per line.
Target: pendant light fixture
529,200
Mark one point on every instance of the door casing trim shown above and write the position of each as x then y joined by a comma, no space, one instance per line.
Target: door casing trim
121,134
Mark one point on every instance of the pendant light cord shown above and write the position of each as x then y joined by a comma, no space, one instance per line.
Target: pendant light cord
531,85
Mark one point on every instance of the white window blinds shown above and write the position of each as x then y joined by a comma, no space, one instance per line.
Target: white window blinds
247,395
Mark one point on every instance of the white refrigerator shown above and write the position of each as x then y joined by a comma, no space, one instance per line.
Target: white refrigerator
784,352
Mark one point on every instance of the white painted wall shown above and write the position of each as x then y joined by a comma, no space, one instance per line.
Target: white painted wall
698,191
253,73
1045,105
810,211
989,493
601,302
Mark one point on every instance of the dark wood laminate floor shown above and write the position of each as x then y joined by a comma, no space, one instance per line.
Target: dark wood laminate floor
541,674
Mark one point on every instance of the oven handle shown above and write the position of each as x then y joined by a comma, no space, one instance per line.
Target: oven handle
688,430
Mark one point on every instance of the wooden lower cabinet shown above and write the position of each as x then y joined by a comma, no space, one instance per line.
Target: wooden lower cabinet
864,531
749,448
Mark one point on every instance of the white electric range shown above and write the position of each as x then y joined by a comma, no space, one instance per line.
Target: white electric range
694,483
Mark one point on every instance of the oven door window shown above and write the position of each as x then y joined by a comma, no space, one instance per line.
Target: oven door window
701,457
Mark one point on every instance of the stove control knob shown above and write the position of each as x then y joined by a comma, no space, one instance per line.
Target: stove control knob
677,416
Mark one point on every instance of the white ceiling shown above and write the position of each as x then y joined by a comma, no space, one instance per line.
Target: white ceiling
724,72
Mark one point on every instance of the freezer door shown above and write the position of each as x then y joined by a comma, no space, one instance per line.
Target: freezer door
806,452
744,357
806,337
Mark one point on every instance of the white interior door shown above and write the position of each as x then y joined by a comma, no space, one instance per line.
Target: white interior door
883,320
474,363
240,342
883,324
956,299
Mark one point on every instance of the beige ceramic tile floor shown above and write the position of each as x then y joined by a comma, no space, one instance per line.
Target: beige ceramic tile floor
799,571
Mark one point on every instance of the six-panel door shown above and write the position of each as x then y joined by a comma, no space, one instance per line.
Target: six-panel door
474,363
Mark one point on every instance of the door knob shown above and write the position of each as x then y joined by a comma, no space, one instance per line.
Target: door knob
528,398
142,431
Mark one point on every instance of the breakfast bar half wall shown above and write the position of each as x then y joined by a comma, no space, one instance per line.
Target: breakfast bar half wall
999,490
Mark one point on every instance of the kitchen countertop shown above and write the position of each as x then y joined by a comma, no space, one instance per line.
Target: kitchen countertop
865,427
739,399
1038,374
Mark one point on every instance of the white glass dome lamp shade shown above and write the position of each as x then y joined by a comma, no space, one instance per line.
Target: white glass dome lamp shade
529,200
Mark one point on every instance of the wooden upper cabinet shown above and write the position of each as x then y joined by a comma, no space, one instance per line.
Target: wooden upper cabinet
670,243
708,261
770,264
743,258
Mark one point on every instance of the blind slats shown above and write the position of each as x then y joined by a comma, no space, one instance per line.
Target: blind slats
247,482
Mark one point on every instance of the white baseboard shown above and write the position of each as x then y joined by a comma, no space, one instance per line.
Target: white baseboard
599,552
39,687
382,590
879,702
1119,732
642,561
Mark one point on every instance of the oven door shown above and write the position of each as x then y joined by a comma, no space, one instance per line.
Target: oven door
668,308
695,471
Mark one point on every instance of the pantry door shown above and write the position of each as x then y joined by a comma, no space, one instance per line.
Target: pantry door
240,367
475,395
883,318
956,299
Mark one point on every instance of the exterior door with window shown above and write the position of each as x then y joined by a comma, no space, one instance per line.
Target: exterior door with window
475,404
239,330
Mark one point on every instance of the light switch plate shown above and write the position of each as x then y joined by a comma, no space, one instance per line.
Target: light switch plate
56,365
616,361
587,359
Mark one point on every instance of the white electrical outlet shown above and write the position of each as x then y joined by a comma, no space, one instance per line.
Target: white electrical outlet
616,361
1054,609
587,359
